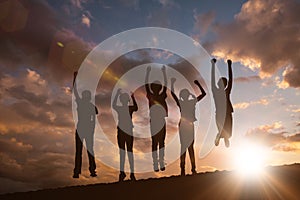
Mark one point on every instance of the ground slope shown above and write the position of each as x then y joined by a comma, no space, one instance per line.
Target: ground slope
281,182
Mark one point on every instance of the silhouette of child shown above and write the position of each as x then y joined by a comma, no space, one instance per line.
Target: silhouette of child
223,104
158,112
125,132
187,108
85,130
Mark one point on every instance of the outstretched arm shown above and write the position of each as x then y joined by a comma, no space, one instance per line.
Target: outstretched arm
213,78
229,87
135,106
147,80
114,104
163,69
173,91
203,93
75,86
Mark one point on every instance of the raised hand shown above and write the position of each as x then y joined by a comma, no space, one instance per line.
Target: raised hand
148,69
229,62
75,74
213,61
131,94
196,82
173,80
119,91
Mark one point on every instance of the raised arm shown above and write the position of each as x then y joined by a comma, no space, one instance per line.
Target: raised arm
173,91
135,106
213,78
203,93
114,104
163,69
75,86
147,80
229,87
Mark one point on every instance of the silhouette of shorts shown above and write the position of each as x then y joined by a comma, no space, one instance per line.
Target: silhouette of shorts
124,138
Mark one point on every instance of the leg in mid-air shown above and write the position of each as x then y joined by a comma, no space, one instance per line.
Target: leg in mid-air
78,156
228,129
154,152
220,130
161,142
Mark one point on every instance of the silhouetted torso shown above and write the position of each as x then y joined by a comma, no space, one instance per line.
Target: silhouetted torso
187,109
160,100
125,117
221,96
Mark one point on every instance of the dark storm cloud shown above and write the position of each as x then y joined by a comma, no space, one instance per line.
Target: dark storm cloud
43,43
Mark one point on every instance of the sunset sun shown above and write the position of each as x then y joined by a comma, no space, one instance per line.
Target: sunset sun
249,160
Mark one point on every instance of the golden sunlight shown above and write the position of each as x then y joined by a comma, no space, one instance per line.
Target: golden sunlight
250,159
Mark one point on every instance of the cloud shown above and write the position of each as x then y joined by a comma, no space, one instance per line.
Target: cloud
286,147
203,22
246,79
130,3
44,44
258,38
269,135
244,105
168,3
275,137
295,137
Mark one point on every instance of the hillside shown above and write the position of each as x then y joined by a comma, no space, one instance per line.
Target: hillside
276,183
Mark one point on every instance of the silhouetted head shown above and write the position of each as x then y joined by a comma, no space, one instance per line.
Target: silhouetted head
222,83
156,87
86,95
124,98
184,94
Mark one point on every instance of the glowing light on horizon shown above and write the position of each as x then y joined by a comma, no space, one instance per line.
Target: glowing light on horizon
250,159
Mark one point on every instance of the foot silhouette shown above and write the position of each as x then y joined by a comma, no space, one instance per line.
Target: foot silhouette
227,143
217,140
182,172
194,172
75,175
93,174
132,177
122,176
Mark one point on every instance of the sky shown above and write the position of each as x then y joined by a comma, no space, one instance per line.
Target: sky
44,42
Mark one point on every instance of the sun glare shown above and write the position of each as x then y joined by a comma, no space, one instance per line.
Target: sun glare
249,160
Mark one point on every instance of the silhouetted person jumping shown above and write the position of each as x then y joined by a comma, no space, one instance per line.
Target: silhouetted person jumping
187,108
85,129
125,132
157,94
223,104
